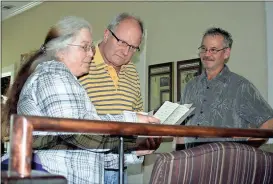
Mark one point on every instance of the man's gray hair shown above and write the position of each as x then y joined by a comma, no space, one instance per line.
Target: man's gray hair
218,31
123,16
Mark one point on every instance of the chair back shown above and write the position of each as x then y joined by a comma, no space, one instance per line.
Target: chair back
215,163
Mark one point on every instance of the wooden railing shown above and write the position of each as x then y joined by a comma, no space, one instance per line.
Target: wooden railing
22,128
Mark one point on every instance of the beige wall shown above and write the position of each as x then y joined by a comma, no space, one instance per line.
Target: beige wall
174,33
174,30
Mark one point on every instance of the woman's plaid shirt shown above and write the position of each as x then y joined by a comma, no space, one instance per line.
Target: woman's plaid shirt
52,90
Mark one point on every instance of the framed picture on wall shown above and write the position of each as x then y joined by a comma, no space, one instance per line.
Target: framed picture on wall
5,83
187,70
7,76
164,95
160,85
164,81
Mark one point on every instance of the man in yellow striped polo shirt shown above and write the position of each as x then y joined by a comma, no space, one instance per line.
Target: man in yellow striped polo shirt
112,90
113,82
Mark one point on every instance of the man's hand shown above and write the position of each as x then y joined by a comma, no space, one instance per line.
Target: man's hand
257,142
147,146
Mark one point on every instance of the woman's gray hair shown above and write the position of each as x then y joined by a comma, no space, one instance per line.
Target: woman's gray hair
218,31
57,39
60,35
123,16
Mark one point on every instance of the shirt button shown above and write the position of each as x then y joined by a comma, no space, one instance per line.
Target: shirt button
198,124
201,112
207,87
205,100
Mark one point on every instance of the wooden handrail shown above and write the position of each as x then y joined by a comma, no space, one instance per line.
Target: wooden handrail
23,126
125,128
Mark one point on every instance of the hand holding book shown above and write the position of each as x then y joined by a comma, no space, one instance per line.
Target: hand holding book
173,113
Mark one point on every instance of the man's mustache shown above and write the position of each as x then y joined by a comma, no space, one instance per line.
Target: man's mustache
205,58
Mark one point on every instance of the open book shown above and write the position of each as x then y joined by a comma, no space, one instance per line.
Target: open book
173,113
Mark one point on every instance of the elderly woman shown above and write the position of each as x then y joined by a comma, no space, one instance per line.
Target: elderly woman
48,86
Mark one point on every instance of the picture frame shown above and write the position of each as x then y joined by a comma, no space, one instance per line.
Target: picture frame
160,84
7,77
187,70
5,84
164,81
164,95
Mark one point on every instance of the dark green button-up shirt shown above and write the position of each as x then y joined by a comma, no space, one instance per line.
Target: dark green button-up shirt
228,100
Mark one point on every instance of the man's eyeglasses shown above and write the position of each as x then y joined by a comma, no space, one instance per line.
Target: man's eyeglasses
125,44
86,48
203,50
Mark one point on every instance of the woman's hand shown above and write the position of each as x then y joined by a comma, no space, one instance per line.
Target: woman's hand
147,119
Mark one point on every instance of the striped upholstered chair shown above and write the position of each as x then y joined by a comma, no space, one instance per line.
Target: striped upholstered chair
214,163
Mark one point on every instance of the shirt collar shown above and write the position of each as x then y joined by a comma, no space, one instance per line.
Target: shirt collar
222,76
55,67
99,61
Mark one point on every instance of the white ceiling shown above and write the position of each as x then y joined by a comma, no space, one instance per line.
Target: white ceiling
19,7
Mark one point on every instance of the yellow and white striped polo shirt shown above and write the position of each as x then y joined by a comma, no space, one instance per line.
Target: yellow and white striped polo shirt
109,92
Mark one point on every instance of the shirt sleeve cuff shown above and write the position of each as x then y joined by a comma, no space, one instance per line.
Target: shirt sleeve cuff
130,116
133,159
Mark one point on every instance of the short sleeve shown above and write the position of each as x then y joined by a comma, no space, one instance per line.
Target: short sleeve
251,106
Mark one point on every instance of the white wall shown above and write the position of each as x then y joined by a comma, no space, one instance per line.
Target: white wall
141,65
175,30
269,41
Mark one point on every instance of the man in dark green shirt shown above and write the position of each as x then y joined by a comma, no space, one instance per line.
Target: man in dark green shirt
222,98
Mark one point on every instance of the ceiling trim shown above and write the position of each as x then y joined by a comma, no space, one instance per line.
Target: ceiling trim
22,9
